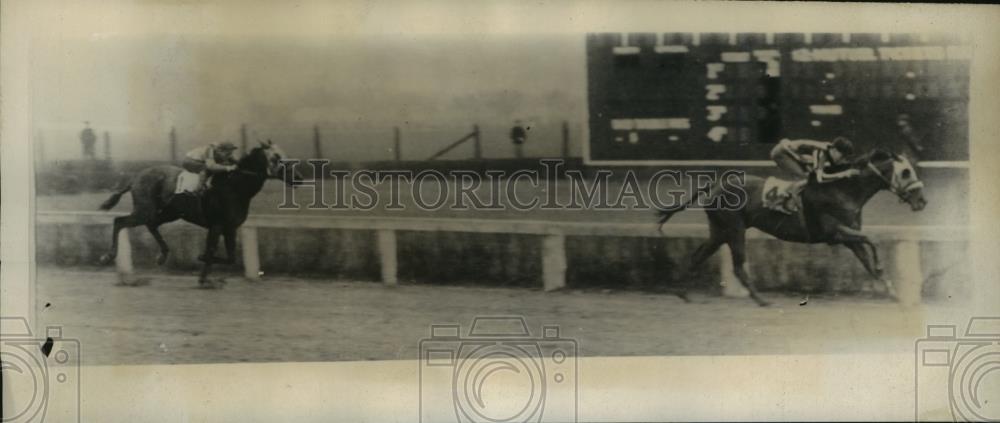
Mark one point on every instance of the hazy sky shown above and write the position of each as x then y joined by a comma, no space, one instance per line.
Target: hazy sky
138,67
138,86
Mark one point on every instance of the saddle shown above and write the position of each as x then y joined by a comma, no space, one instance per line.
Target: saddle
778,195
187,182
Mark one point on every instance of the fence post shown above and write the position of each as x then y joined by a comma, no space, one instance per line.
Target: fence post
251,252
908,273
554,262
477,151
123,258
731,285
173,144
317,143
396,144
243,138
386,239
565,140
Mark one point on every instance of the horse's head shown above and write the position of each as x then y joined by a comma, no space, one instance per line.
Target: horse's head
269,159
900,177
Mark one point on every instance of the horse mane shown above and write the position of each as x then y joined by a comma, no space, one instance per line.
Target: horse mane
245,161
876,155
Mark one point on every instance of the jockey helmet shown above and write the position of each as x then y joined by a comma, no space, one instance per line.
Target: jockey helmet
844,145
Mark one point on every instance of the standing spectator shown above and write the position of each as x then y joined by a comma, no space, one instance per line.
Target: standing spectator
908,135
107,146
518,135
88,139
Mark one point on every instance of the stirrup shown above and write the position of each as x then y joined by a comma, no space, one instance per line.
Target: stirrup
791,204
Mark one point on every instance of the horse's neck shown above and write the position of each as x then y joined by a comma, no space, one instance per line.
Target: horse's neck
858,190
248,184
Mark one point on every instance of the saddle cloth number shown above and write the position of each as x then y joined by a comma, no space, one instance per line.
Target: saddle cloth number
187,182
775,191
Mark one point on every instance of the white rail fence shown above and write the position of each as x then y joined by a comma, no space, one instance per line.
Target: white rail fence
909,277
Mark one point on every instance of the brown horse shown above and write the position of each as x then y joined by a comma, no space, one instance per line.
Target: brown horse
225,205
831,213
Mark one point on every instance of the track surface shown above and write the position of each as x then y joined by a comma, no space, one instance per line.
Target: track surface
283,319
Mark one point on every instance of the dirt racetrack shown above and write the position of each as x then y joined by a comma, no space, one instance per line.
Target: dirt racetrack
283,319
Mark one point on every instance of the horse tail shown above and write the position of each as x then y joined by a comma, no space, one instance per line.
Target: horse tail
666,214
113,200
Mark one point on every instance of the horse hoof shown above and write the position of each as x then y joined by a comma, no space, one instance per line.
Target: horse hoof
208,285
763,303
890,289
162,259
210,260
106,259
132,282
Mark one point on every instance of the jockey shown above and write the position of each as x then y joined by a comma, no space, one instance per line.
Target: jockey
811,160
203,161
209,159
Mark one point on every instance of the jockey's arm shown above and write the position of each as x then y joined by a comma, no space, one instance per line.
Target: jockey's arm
823,177
213,166
795,145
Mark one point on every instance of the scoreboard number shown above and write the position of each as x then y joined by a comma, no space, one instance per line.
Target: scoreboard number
715,112
714,91
714,69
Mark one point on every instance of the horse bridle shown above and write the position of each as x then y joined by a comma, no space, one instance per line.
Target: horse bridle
902,192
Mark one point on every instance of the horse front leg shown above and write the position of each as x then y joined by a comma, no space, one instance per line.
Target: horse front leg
846,234
865,256
867,253
208,257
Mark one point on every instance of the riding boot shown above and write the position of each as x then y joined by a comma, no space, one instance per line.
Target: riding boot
793,199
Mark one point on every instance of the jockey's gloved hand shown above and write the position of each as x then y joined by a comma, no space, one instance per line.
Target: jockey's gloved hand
230,168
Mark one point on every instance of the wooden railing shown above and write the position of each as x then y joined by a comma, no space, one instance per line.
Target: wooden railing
553,238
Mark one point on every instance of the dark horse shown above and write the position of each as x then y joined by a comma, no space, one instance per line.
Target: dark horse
225,205
831,214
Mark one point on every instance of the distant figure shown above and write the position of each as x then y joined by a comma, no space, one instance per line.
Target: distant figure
107,146
908,135
518,135
88,139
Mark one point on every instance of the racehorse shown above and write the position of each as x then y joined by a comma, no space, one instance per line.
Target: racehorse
831,213
224,206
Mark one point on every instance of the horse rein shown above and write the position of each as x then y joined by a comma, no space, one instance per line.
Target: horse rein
902,192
